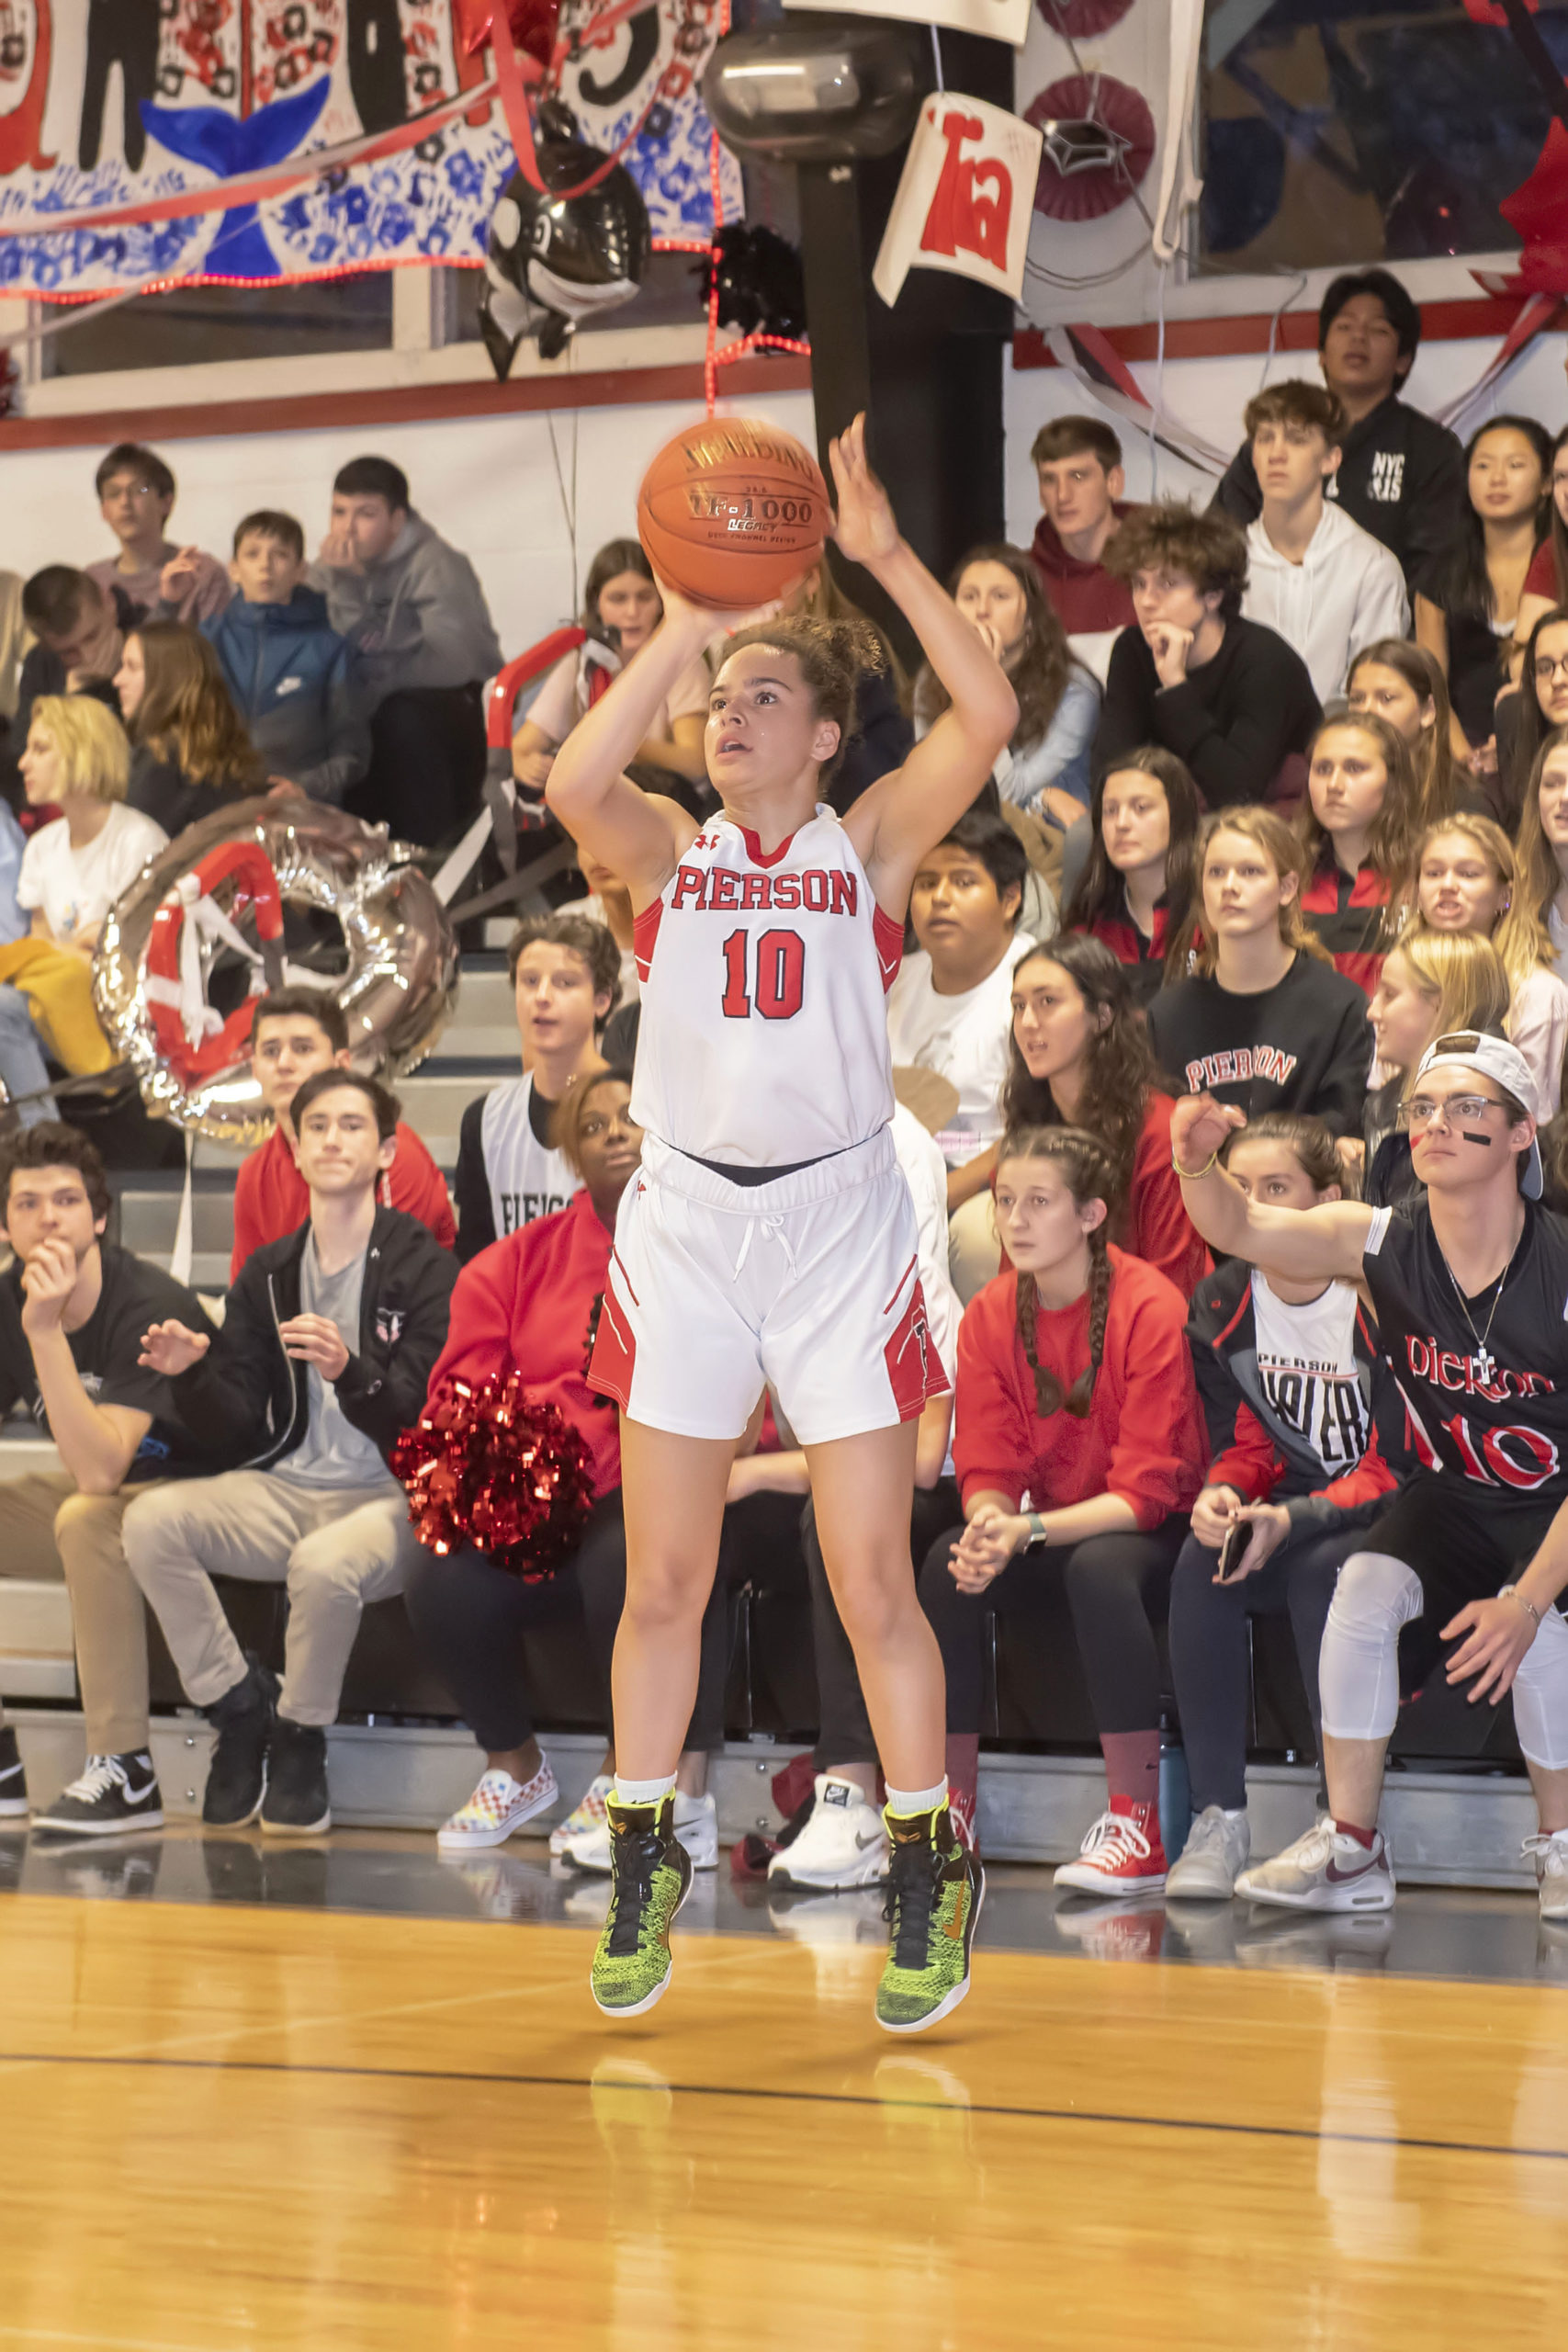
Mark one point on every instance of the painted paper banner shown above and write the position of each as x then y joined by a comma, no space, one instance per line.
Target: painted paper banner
997,19
126,102
966,198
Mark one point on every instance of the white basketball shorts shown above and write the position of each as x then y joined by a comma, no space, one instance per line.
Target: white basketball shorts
809,1286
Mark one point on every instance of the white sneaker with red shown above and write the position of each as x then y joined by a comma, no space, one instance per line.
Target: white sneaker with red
499,1805
1121,1855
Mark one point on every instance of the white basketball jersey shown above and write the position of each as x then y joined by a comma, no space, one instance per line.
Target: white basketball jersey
764,981
525,1178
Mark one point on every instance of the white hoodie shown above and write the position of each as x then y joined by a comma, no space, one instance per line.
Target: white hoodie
1347,591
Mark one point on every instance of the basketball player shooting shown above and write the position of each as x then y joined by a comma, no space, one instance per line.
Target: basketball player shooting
770,1237
1471,1290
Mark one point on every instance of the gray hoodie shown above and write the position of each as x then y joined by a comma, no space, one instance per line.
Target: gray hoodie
417,618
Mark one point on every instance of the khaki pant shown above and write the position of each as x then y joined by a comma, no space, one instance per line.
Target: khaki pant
48,1529
336,1547
973,1252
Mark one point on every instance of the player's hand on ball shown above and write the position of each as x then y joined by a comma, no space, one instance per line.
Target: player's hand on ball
1198,1126
866,529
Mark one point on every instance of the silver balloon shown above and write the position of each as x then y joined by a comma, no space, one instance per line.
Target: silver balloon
398,989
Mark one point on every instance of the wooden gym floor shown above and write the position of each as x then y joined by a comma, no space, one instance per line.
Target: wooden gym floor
243,2118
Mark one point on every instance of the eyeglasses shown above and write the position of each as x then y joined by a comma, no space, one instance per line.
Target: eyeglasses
1546,669
1459,1111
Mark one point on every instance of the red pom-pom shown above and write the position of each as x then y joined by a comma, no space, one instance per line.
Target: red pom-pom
485,1466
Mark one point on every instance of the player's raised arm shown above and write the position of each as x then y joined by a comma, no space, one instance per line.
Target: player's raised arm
636,834
893,824
1322,1244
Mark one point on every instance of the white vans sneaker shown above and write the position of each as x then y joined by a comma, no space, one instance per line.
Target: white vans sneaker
843,1842
1325,1871
586,1818
1551,1855
1216,1852
696,1827
498,1806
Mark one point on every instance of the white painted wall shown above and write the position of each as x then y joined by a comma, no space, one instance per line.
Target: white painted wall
487,484
1208,395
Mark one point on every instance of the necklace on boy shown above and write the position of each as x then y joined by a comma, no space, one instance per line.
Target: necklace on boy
1486,1362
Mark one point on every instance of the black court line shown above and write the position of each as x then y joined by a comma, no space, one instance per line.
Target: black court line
1299,2131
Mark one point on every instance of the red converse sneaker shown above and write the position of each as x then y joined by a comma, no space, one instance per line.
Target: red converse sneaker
1122,1854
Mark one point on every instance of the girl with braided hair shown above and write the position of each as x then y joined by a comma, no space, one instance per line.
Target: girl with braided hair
1079,1448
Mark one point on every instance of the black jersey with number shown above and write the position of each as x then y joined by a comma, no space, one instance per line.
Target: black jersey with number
1490,1404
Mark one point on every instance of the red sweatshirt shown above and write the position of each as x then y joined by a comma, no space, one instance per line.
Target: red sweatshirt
1144,1438
530,1301
1086,598
272,1198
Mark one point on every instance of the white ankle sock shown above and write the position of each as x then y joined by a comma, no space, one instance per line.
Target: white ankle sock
644,1791
907,1802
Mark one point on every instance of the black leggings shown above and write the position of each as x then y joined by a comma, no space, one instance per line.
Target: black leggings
1117,1587
1208,1648
472,1615
845,1734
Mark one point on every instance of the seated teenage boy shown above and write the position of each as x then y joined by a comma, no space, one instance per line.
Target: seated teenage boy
1079,462
566,974
1313,576
1471,1556
326,1349
1225,694
1401,473
136,497
950,1010
288,670
295,1033
72,1309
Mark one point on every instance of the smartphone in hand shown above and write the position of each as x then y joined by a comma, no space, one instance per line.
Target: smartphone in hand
1237,1536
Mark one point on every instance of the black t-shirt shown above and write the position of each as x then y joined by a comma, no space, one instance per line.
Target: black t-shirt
1304,1045
104,1350
1494,1414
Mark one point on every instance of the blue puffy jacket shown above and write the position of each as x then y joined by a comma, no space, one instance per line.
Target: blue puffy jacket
291,676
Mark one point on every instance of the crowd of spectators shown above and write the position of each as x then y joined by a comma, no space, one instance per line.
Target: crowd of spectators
1286,801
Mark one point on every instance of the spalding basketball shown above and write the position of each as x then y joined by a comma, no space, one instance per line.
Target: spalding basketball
731,511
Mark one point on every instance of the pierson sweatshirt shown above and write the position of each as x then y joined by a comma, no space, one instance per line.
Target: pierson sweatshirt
1304,1045
1142,1437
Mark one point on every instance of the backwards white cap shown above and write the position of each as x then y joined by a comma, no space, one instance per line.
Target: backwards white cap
1507,1067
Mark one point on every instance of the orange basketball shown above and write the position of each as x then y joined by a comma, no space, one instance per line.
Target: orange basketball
731,511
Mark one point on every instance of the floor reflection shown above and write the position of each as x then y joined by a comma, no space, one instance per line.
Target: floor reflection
1432,1933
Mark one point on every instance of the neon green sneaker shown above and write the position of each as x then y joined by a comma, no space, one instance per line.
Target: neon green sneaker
650,1877
935,1888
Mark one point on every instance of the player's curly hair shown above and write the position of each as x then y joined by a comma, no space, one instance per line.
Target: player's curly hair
834,655
1086,1170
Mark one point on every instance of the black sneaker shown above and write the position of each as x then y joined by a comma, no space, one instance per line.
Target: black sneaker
12,1780
116,1796
295,1802
244,1721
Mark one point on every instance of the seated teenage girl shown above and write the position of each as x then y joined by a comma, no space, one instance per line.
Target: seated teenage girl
1465,880
1080,1448
1289,1374
1542,853
1262,1019
1079,1056
1359,833
1404,684
1139,880
1434,982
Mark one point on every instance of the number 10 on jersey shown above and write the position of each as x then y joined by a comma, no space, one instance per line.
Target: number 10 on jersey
776,993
